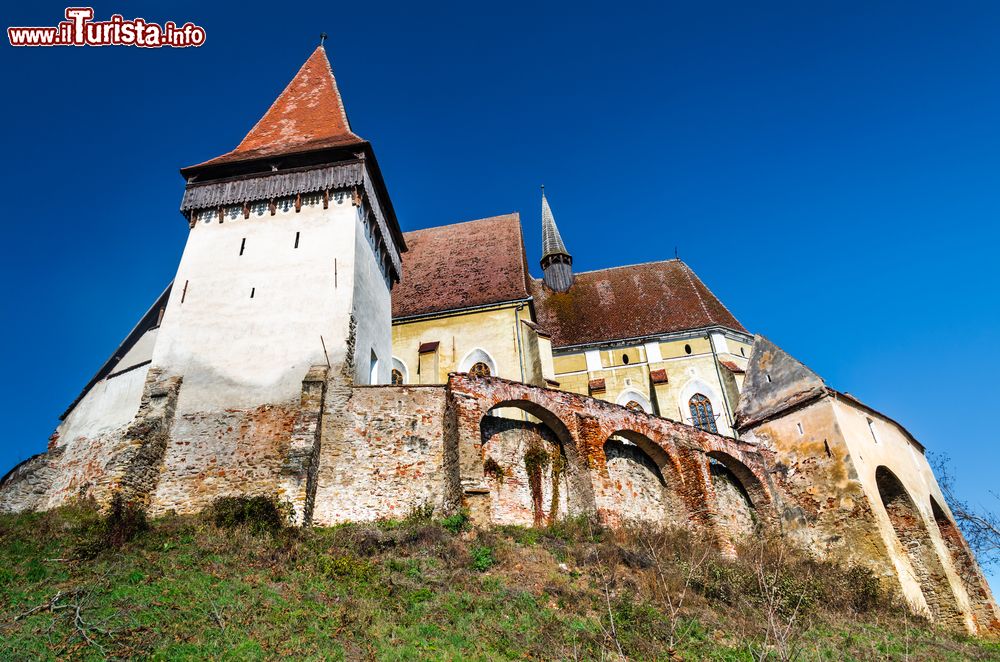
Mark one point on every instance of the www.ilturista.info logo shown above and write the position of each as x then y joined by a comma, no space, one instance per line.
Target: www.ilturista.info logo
79,29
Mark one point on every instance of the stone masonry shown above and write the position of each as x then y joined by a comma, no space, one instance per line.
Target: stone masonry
509,453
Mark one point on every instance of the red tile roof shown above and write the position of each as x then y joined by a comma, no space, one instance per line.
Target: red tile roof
629,302
597,385
658,376
462,265
732,367
308,115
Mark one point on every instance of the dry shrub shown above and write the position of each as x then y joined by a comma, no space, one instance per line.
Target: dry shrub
259,514
123,522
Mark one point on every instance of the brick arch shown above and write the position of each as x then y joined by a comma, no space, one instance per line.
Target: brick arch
625,491
664,459
576,494
754,485
914,538
539,411
583,424
742,502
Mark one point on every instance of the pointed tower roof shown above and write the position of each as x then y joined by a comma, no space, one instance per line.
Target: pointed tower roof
308,115
775,382
552,243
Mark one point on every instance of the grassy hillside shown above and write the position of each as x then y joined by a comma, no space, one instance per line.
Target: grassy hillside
74,586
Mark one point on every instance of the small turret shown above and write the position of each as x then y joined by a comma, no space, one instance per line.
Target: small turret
557,263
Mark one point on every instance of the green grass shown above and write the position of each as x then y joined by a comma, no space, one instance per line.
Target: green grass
184,589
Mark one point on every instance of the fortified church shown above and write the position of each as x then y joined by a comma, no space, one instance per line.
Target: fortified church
310,349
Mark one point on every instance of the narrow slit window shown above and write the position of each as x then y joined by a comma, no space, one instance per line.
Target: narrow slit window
184,293
252,290
296,240
801,431
243,245
373,371
871,428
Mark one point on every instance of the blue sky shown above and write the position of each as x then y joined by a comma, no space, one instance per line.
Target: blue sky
830,170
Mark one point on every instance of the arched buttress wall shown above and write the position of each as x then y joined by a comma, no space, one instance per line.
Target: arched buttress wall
965,567
916,543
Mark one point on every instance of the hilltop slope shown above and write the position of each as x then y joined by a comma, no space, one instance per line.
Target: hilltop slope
187,589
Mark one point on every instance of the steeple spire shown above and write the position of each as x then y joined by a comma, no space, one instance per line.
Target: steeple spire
308,115
557,263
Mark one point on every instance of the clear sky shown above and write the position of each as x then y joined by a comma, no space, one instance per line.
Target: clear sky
829,169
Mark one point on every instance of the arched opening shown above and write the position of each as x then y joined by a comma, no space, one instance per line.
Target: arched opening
531,465
917,544
643,480
634,400
964,564
478,362
739,495
400,374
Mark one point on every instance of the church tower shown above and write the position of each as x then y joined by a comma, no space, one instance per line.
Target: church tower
292,253
281,299
557,263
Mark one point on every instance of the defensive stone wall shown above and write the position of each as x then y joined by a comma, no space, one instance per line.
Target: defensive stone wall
510,453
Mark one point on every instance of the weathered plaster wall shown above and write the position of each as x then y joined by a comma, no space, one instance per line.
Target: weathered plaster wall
638,490
224,453
889,447
826,509
382,455
91,439
736,513
238,352
27,484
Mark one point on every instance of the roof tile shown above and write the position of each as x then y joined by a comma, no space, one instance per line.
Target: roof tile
308,115
462,265
629,302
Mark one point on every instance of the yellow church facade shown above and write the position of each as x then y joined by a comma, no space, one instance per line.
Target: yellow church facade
649,336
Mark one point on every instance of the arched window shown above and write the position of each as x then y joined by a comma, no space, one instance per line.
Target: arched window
400,374
480,369
478,363
701,413
634,400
